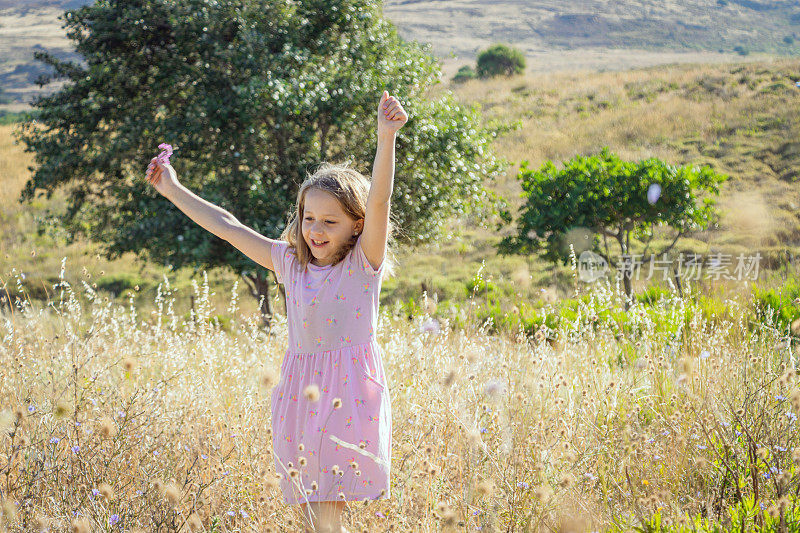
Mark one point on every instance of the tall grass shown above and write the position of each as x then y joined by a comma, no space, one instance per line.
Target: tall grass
162,423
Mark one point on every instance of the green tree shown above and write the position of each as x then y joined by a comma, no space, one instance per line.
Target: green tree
609,197
250,94
500,60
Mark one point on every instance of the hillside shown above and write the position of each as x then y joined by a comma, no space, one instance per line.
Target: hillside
555,36
743,120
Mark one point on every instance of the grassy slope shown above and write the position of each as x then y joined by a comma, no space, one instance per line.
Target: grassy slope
741,119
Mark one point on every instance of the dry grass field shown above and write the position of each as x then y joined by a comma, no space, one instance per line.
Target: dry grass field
133,410
155,423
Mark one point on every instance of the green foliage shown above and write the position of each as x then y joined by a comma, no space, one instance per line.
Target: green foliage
741,50
788,39
116,284
251,95
11,117
777,307
480,287
653,294
608,197
500,59
464,73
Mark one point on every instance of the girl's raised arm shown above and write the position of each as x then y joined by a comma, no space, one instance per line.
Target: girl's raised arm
391,117
218,221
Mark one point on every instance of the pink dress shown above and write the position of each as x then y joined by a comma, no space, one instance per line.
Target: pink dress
332,316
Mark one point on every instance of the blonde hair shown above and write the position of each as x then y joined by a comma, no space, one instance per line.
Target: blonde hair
351,189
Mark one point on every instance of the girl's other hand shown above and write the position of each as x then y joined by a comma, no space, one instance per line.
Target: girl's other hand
162,177
391,115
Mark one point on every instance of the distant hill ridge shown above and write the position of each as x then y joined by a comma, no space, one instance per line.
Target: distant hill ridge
458,29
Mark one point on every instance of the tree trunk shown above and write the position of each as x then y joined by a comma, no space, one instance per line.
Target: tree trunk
259,287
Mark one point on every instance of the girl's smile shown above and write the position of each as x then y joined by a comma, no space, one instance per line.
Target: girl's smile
326,227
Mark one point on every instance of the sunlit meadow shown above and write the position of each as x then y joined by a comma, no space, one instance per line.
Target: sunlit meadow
117,421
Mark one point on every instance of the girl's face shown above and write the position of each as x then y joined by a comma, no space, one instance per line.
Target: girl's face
324,221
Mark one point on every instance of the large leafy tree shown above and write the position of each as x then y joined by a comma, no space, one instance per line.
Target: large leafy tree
250,94
614,200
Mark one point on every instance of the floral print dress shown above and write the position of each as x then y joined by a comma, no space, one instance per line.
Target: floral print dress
332,316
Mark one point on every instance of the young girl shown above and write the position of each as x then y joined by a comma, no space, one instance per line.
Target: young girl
331,412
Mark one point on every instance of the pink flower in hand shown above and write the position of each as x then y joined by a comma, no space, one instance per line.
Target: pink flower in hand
166,152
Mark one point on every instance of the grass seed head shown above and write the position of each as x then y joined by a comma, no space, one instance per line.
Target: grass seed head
194,523
41,524
311,393
484,487
129,364
61,410
268,378
107,427
79,525
106,490
9,510
172,494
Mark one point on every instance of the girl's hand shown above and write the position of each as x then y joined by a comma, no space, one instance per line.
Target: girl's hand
391,115
162,177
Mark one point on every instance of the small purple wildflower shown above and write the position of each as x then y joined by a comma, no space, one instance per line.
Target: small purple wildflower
204,456
31,408
523,485
54,440
483,430
231,513
113,520
95,492
75,448
380,515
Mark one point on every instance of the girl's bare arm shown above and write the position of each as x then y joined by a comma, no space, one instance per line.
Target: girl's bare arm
213,218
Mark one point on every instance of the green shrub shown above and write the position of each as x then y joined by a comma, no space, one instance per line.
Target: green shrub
465,73
788,39
741,50
116,284
500,59
480,287
778,306
652,294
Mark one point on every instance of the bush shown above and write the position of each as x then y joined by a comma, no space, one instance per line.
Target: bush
788,39
741,50
117,283
500,59
778,307
465,73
